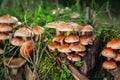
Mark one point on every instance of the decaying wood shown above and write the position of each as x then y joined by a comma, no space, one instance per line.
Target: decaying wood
77,74
28,73
115,72
89,61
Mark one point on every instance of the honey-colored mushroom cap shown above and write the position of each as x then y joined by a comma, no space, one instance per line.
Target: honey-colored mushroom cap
38,30
17,41
5,28
114,43
77,47
73,57
109,64
23,32
27,49
8,19
108,52
71,38
4,36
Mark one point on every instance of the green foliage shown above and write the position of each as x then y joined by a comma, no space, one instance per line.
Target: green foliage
55,52
78,63
67,70
2,70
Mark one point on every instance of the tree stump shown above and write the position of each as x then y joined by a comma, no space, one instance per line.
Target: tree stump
89,61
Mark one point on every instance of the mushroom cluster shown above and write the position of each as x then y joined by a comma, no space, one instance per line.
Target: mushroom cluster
7,23
112,53
23,39
71,39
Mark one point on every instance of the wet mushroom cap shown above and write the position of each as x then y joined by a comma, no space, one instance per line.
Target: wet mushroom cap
71,38
86,28
17,41
65,27
73,57
54,24
5,28
38,30
54,45
14,62
64,48
26,49
23,32
74,15
76,27
82,54
77,47
58,38
117,58
108,52
114,43
4,36
85,40
109,64
8,19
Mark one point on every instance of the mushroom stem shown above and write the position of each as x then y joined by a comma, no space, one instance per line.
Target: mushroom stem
57,32
68,32
36,38
3,42
108,58
25,38
67,53
61,43
14,71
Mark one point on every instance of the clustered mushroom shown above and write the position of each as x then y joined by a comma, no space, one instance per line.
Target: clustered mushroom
7,23
22,38
68,39
112,53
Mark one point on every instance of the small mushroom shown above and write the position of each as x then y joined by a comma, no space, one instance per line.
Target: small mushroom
86,28
24,32
26,49
86,40
8,19
114,43
117,58
77,47
109,64
16,41
109,53
54,25
52,46
38,30
5,28
71,38
66,26
14,64
74,15
73,57
64,49
59,39
82,54
3,37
